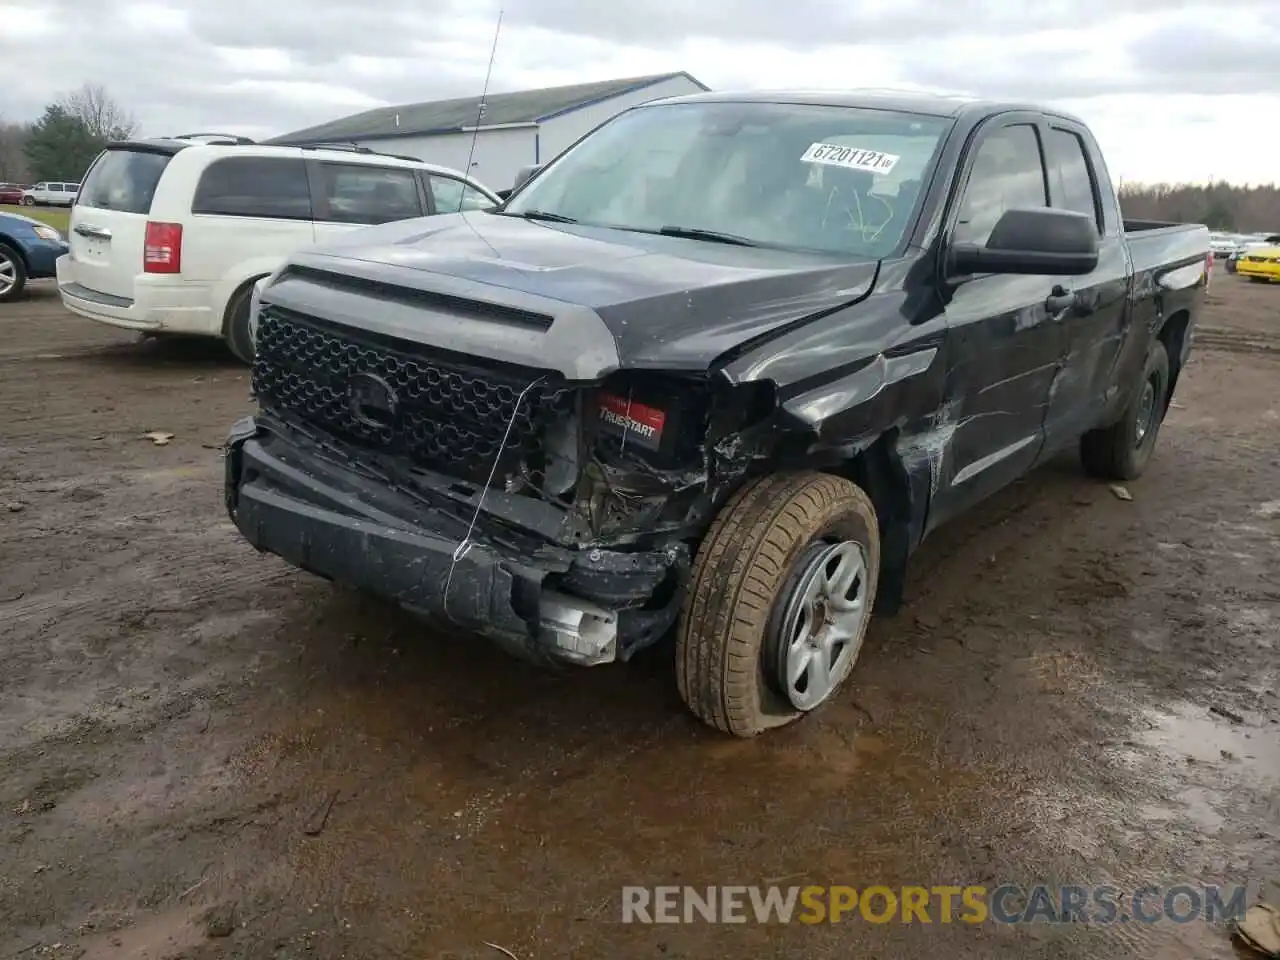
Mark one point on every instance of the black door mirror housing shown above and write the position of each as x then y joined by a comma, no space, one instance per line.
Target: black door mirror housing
1039,240
523,175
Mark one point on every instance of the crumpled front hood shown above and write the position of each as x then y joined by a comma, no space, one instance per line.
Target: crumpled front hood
666,302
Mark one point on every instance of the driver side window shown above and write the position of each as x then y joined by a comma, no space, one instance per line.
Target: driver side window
453,196
1007,173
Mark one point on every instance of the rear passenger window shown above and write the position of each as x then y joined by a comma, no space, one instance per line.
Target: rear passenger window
1007,173
1069,173
369,195
273,187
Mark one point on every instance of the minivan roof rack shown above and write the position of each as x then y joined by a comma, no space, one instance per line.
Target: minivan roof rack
225,137
353,147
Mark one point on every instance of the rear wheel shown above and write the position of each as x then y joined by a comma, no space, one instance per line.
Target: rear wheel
235,328
13,274
1121,451
778,604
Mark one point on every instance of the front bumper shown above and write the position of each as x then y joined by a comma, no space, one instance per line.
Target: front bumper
42,257
292,497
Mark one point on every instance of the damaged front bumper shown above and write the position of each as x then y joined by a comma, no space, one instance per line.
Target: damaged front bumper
442,554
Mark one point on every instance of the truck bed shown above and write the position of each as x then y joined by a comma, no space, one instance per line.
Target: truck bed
1158,247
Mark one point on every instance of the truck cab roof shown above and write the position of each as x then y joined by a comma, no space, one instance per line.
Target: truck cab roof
957,107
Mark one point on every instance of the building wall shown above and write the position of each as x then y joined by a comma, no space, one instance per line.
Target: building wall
499,154
560,132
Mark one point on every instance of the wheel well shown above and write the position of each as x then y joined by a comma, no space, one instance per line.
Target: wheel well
234,299
1174,335
878,471
16,247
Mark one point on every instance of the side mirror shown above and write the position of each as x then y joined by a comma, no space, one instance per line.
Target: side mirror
524,175
502,194
1040,240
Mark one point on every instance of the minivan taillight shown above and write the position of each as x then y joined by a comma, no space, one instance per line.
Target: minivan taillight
162,248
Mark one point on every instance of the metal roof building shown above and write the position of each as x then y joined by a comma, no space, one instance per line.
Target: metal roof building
514,130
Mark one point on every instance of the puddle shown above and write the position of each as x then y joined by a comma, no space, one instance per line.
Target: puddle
1195,804
1189,732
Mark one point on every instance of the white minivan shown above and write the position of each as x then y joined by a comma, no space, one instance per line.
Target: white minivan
169,235
50,193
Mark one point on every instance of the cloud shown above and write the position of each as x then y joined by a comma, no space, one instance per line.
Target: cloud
263,68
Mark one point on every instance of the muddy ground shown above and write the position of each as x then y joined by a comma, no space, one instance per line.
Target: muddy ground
206,754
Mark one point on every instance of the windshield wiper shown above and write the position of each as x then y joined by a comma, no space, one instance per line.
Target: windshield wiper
714,236
542,215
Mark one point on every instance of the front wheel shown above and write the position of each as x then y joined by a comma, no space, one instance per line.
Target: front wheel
29,201
779,600
1121,451
13,274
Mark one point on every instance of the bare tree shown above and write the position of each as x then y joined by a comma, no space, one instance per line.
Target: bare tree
103,116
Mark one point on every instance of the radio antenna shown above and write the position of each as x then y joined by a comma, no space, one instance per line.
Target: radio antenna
475,131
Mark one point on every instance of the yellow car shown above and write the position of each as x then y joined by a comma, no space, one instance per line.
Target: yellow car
1260,264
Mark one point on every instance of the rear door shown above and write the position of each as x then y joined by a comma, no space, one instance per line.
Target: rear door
1095,327
109,220
348,196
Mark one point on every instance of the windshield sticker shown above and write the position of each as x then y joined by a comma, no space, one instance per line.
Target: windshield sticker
832,154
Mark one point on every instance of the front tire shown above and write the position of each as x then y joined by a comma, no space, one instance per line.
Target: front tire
236,326
28,201
13,274
1121,451
780,595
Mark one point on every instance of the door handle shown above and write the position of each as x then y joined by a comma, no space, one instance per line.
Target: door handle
1060,299
100,233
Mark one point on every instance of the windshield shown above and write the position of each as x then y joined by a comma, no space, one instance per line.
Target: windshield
834,179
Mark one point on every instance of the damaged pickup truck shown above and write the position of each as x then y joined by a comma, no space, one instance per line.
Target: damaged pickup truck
718,368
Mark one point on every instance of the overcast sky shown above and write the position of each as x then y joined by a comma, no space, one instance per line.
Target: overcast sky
1174,91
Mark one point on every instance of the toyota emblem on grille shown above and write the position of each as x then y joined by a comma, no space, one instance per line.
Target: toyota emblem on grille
373,402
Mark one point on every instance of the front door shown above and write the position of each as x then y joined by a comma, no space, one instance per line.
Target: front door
1004,345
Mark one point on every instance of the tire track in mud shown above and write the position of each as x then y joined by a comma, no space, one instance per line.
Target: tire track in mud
1236,341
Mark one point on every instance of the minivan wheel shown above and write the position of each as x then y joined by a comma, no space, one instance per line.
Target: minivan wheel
1121,451
779,601
235,328
13,274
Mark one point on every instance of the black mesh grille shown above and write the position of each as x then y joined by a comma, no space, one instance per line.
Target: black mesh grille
446,415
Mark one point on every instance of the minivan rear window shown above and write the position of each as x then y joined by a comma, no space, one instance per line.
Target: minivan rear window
274,187
123,180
